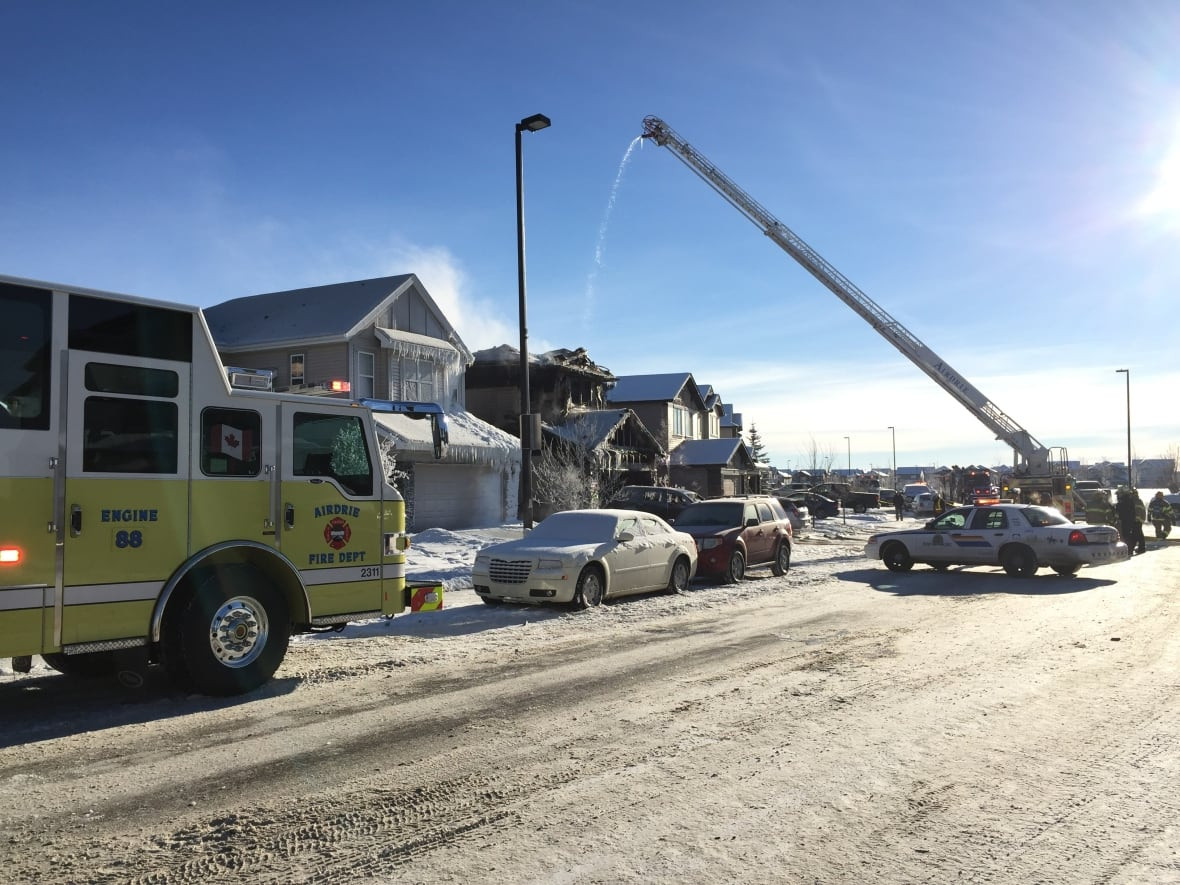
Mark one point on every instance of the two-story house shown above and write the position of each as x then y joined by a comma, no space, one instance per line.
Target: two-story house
384,338
612,446
672,406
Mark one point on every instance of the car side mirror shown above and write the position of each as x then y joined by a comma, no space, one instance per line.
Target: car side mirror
752,522
930,524
624,537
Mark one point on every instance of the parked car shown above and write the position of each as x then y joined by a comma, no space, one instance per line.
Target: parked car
663,501
736,533
585,556
819,506
1019,537
801,519
887,497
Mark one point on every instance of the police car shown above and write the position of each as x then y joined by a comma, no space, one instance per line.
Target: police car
1019,537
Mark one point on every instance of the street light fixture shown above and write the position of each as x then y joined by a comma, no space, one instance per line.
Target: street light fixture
1130,475
529,124
844,509
893,432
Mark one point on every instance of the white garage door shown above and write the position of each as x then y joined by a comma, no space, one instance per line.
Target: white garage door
456,496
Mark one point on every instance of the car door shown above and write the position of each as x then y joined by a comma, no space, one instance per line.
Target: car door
938,543
630,559
759,537
989,529
661,553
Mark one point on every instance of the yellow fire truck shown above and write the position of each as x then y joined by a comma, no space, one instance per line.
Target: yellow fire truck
157,506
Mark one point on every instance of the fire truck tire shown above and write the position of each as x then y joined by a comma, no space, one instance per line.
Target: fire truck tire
88,666
233,633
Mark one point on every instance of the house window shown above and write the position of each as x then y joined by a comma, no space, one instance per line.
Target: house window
418,380
296,370
681,421
365,373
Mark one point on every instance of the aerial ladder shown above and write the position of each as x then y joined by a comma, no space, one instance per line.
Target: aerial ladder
1039,468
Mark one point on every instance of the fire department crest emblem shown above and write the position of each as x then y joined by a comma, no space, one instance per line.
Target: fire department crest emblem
337,533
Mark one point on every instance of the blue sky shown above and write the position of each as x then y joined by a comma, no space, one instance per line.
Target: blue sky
1002,178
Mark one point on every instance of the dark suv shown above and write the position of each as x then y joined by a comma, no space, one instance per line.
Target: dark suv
733,534
662,501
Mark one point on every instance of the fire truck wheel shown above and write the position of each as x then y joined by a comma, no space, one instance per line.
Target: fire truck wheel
233,633
89,666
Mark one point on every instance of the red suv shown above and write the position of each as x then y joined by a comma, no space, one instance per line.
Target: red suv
733,534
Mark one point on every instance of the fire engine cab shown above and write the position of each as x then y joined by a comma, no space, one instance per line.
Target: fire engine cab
161,507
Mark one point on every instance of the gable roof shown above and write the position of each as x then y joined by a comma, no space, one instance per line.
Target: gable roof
653,388
706,452
316,314
594,427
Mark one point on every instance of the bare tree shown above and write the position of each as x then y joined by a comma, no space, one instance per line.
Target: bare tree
818,458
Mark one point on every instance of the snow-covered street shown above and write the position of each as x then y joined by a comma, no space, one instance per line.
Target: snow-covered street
838,724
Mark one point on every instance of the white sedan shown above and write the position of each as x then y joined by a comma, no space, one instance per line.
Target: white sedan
1019,537
585,556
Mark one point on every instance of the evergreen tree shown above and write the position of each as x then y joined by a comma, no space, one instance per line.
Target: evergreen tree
757,449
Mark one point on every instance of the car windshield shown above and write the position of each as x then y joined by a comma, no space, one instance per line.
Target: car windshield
711,513
1041,516
577,526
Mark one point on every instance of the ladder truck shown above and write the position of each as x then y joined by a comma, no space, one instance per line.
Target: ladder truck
1040,473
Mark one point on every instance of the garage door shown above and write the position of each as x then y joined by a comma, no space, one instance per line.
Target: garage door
456,496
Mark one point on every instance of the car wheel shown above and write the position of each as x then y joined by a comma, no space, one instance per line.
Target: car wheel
588,592
859,508
1066,571
678,579
737,568
782,559
897,558
1018,561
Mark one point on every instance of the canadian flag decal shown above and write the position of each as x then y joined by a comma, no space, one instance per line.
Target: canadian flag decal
231,441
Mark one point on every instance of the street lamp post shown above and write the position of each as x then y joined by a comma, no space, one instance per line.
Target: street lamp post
844,509
893,433
1130,475
529,124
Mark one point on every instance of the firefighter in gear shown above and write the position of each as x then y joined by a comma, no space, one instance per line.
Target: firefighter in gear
1161,514
1130,513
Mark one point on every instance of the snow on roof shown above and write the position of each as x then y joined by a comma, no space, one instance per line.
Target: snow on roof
649,388
472,441
297,314
415,346
594,427
703,452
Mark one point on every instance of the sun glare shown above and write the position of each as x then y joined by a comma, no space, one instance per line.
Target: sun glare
1163,199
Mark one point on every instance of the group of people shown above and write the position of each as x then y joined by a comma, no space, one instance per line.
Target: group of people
1131,514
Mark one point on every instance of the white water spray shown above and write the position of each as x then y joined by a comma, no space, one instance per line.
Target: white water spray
600,246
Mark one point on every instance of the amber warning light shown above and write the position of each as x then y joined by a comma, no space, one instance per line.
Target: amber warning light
341,387
9,555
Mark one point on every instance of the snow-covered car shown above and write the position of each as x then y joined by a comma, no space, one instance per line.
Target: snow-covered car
585,556
1019,537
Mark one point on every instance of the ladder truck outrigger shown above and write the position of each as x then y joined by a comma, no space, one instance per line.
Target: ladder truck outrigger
162,508
1040,474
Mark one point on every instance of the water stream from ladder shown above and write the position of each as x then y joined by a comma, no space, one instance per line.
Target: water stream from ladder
600,246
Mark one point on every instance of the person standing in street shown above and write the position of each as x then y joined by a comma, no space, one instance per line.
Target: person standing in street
1130,514
899,505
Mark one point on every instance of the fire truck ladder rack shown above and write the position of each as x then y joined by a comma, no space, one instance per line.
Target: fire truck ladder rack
1036,458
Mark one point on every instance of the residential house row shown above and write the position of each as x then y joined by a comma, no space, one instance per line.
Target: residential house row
387,338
